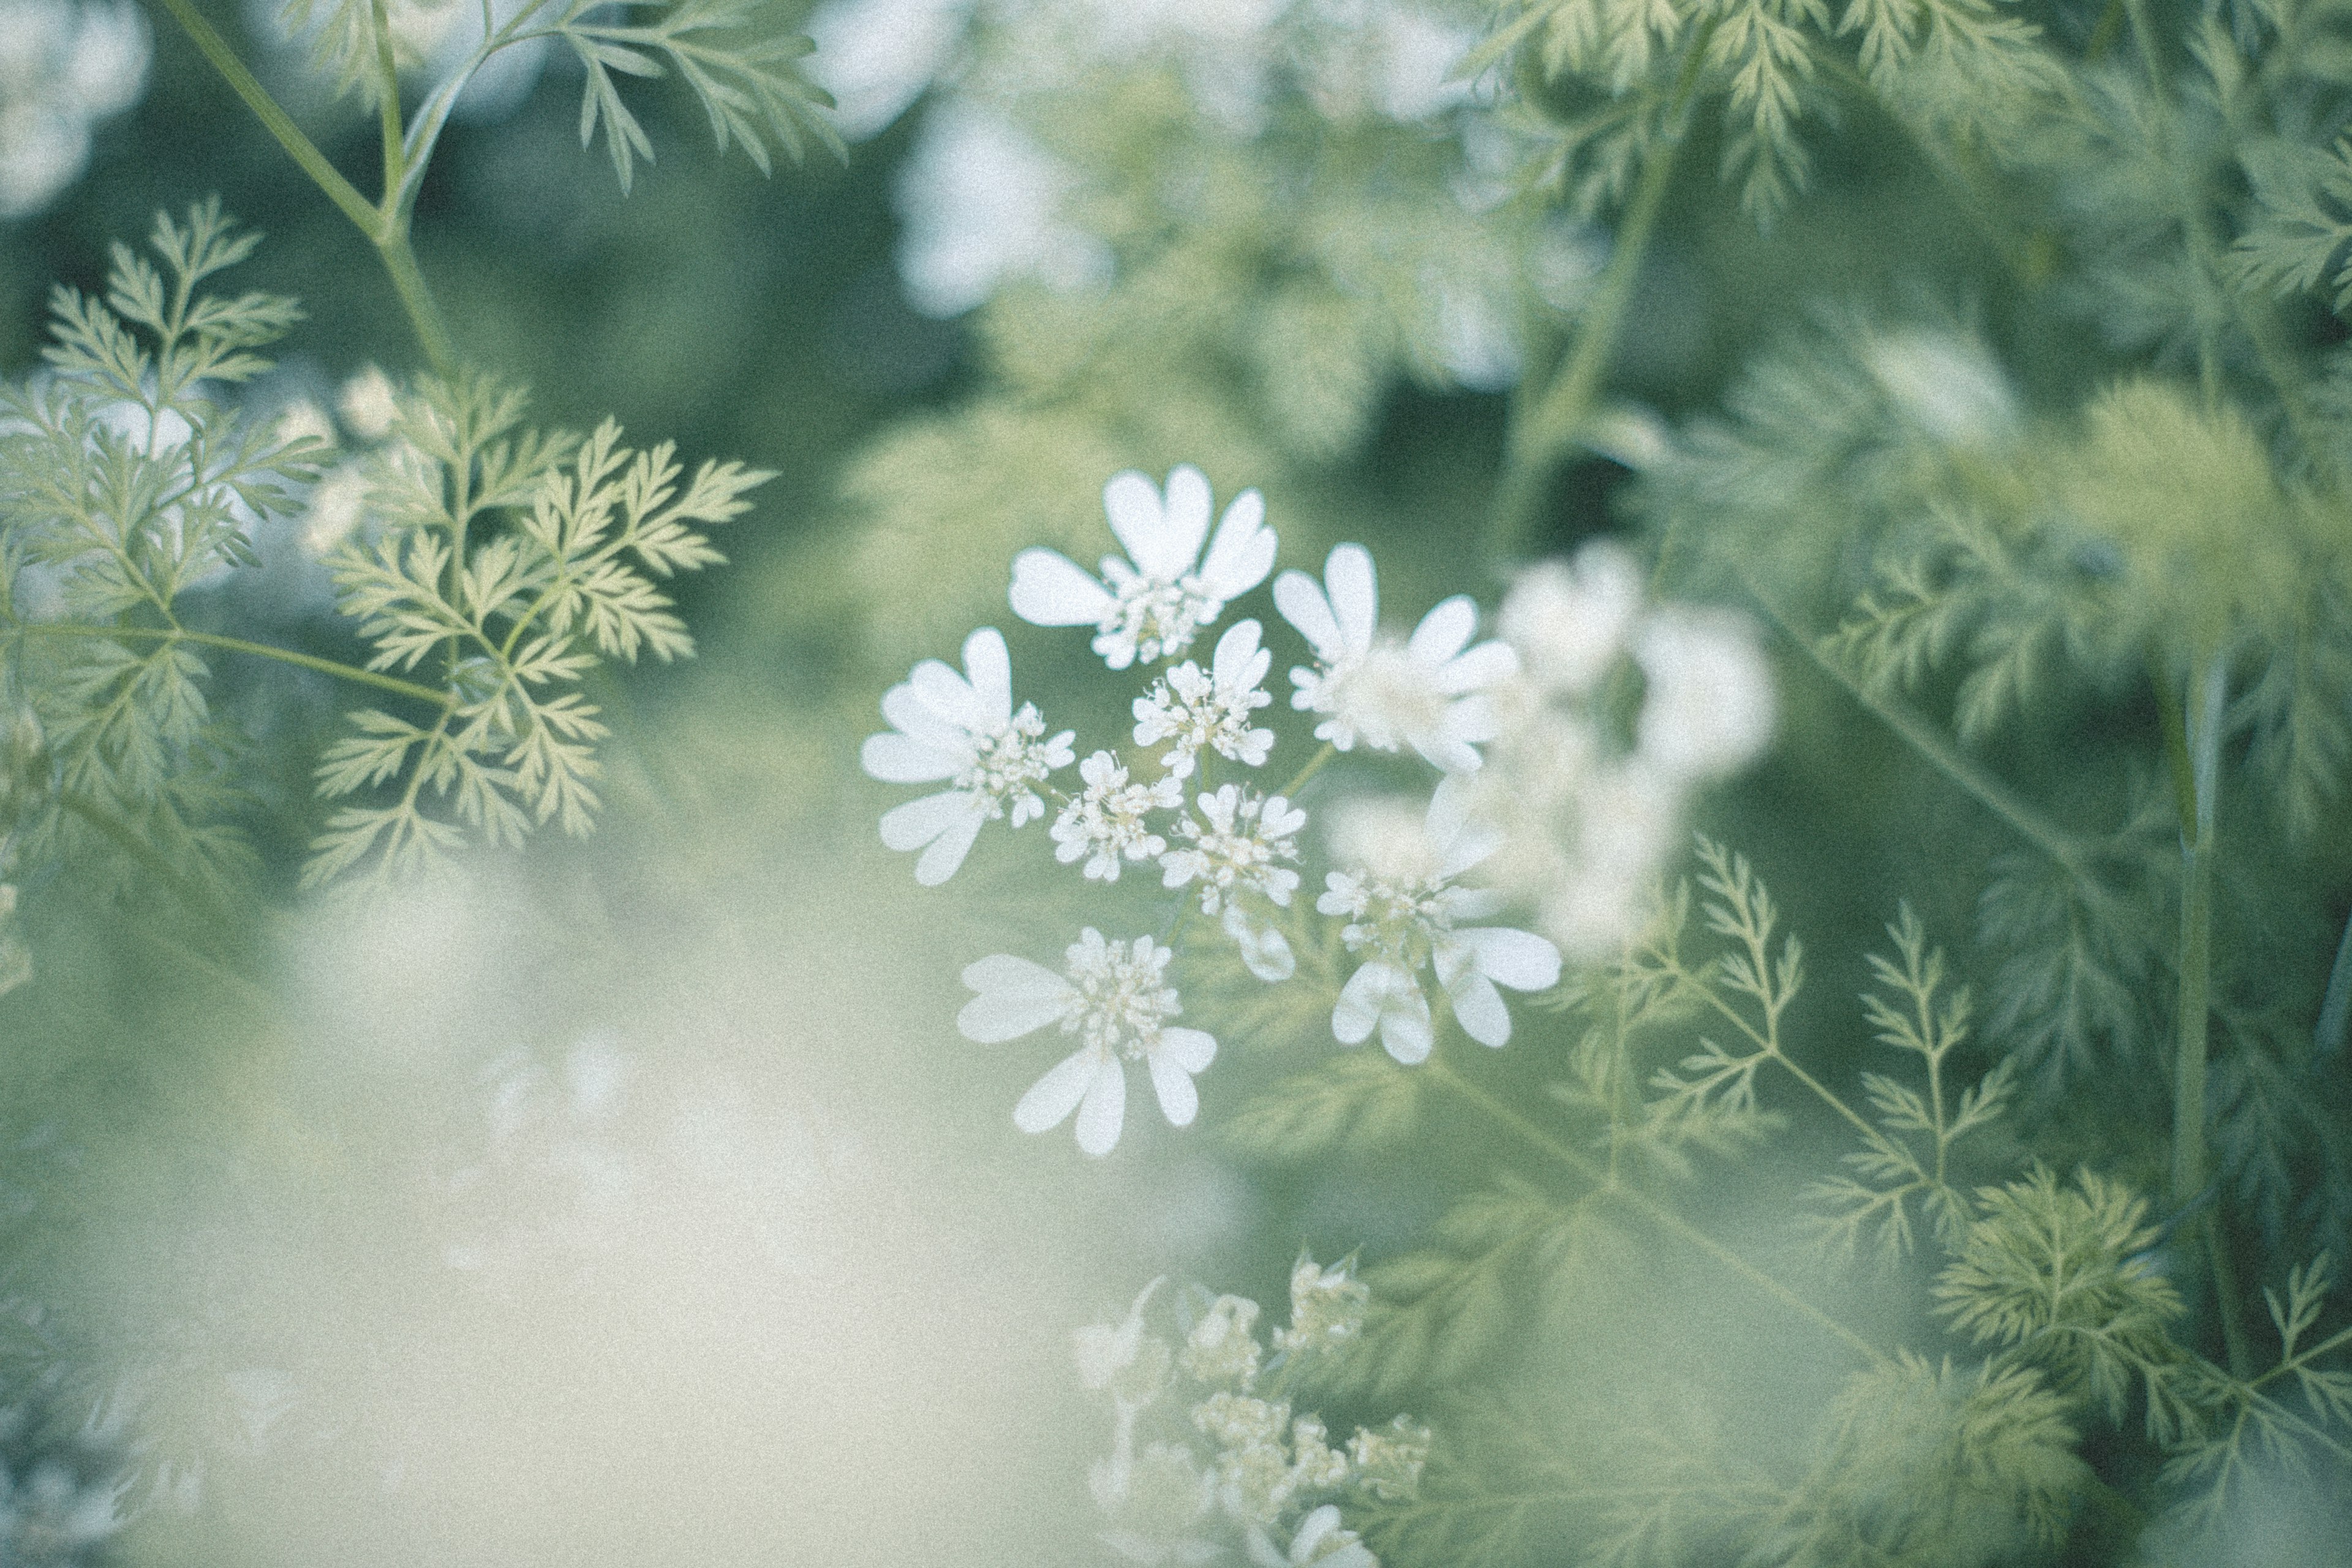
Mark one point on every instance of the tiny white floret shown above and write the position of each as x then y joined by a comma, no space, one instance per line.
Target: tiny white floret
1426,691
1153,604
1197,710
961,729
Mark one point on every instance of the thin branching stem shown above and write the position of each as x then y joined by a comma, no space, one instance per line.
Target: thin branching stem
198,898
335,668
1658,1214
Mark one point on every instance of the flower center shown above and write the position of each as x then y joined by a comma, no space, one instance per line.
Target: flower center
1008,763
1121,1003
1387,695
1160,618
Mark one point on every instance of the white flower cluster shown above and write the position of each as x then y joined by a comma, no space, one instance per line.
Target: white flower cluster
1233,850
1207,1449
1620,713
63,68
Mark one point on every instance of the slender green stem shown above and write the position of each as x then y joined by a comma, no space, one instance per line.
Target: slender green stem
424,314
1555,419
2335,1007
1656,1213
274,118
238,645
1314,764
2202,742
2302,1359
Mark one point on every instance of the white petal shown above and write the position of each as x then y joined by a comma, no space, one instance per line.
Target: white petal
948,695
1405,1026
1138,517
1300,599
1518,959
1243,552
939,862
1478,1008
1266,954
1052,1098
1236,651
1473,844
1444,631
1049,589
1191,1049
1355,594
900,759
1179,1101
1483,666
1175,547
921,722
1368,994
1015,997
917,822
990,670
1104,1110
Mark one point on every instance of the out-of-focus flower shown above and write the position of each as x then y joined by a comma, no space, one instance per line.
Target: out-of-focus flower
963,728
877,57
1404,915
1153,604
369,404
983,204
1708,711
1116,1000
63,67
1571,621
1105,821
1210,710
1319,1541
1425,691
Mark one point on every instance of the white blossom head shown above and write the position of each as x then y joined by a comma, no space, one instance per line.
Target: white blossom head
1706,706
1570,621
1238,845
1327,1307
961,729
1403,913
1425,691
1115,998
1198,710
1153,603
1108,821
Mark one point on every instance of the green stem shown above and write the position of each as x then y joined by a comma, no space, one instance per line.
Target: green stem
1557,418
416,299
1314,764
1658,1214
2202,739
238,645
2335,1007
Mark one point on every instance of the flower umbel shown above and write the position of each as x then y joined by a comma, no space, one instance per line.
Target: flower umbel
1116,1000
1237,848
1154,607
961,729
1106,821
1425,691
1211,710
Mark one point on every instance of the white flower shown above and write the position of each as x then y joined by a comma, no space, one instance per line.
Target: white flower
1237,849
1106,820
1319,1541
1706,709
1212,709
1327,1306
1570,622
369,404
982,205
960,728
1115,1001
1104,1351
1153,608
1425,691
1404,915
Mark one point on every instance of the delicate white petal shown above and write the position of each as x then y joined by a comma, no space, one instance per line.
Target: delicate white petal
1486,665
1300,599
917,822
1175,545
939,862
921,722
1266,954
1323,1521
1049,589
1104,1110
1473,844
1238,650
1243,552
900,759
1405,1026
990,670
1052,1098
1016,996
1518,959
1470,719
948,695
1191,1049
1377,994
1443,632
1138,518
1355,594
1179,1101
1442,750
1478,1008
